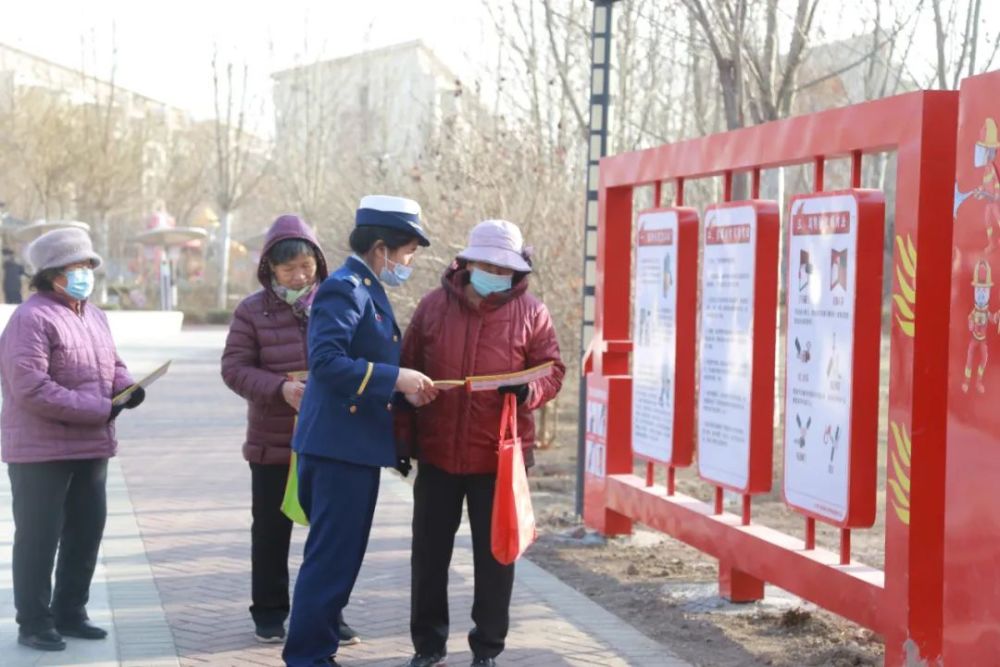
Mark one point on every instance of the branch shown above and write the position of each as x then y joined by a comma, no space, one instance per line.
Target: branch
561,67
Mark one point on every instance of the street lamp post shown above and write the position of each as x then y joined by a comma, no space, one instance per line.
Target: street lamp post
597,147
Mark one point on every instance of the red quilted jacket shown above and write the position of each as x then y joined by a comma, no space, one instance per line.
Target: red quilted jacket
266,342
448,338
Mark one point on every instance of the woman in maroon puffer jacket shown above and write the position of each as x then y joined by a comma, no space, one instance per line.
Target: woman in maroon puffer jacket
481,321
265,347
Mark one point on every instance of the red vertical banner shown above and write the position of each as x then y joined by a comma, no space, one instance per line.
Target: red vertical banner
972,530
739,283
833,331
663,338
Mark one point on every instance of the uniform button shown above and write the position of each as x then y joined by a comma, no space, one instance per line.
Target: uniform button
368,282
395,338
353,409
388,406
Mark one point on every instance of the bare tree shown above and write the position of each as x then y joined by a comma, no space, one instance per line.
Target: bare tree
958,38
240,163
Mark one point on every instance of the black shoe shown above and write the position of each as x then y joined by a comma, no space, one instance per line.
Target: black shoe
270,634
348,637
332,661
484,662
82,630
46,640
426,659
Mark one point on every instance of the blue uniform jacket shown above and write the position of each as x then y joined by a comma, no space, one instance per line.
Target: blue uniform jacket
354,343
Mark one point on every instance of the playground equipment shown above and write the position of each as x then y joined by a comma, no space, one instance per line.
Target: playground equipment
934,602
169,240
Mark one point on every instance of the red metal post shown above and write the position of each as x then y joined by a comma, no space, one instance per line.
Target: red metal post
810,541
845,546
738,586
671,480
746,509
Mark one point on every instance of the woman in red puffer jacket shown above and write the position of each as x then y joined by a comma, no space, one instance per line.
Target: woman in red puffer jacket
481,321
266,346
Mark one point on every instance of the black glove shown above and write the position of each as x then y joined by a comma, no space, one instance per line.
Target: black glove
519,390
403,465
115,411
136,399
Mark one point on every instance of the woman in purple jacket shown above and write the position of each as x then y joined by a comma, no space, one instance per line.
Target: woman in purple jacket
59,371
265,348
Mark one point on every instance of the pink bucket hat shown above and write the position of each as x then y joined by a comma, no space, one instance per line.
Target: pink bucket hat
496,242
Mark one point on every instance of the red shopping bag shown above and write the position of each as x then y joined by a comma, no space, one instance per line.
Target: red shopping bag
513,517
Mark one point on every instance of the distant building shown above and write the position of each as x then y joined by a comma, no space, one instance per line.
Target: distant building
26,76
380,105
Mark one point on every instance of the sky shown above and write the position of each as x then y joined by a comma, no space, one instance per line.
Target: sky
164,49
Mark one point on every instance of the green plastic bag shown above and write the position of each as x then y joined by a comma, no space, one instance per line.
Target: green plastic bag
290,506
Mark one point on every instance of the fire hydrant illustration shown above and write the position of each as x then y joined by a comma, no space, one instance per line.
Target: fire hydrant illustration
979,320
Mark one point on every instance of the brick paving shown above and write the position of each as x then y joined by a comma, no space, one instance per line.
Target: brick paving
189,490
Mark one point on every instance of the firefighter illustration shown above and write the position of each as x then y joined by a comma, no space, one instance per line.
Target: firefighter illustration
986,158
668,274
979,321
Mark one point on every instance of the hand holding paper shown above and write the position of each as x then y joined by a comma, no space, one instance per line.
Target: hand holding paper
124,398
421,398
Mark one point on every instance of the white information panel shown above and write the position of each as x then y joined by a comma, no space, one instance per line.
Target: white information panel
726,345
819,353
654,336
596,434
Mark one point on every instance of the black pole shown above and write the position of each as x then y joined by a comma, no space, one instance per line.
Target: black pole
597,147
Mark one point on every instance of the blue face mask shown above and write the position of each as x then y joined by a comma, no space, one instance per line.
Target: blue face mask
79,283
489,283
399,274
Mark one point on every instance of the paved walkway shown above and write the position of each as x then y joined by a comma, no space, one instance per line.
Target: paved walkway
173,583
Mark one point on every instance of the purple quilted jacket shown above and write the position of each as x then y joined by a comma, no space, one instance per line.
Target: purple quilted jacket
58,372
266,342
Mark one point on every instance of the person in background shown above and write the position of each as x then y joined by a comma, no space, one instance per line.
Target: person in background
345,431
12,273
481,321
59,371
265,346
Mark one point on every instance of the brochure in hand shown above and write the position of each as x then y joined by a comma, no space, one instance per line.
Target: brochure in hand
122,398
494,382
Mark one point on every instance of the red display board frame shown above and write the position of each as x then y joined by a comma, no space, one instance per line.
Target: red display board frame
862,448
904,602
767,226
682,448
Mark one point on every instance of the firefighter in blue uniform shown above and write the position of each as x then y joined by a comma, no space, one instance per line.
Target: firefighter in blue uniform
345,434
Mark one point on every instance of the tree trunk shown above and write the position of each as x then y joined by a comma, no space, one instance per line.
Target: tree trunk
225,230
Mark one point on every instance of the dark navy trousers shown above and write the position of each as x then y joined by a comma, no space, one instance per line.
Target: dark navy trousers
339,499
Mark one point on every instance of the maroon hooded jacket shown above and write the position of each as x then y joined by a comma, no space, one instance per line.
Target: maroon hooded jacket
449,339
266,342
